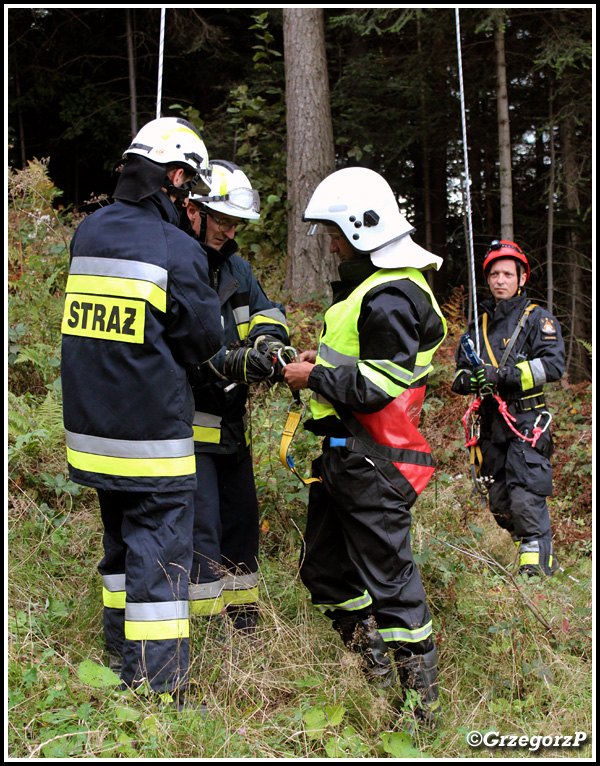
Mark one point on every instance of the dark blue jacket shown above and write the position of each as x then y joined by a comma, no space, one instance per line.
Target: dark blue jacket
138,312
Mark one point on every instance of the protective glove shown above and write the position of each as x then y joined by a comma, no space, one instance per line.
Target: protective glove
484,376
248,365
270,346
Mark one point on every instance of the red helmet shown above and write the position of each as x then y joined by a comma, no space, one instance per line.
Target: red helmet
503,248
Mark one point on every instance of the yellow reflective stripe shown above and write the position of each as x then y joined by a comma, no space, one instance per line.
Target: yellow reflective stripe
405,634
159,630
248,596
526,375
117,466
207,607
529,558
262,319
119,287
207,435
381,381
113,599
243,330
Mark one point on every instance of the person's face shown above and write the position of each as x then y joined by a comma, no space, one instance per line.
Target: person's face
219,229
194,217
340,245
503,279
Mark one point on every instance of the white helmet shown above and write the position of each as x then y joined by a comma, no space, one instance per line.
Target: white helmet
231,192
363,206
172,139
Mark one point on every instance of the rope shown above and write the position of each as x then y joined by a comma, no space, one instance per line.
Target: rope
161,48
467,191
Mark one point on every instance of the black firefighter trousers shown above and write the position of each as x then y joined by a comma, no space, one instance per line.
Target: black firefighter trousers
145,574
357,557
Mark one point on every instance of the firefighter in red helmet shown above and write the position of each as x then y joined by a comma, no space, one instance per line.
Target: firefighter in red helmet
521,350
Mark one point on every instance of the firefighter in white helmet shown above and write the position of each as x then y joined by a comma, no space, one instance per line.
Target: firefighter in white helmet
225,569
138,310
368,380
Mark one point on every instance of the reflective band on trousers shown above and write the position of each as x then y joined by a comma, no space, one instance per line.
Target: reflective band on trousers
205,598
119,277
113,591
207,427
240,589
350,606
529,553
124,457
158,621
404,634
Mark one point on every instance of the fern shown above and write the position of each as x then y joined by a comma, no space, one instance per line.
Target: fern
587,346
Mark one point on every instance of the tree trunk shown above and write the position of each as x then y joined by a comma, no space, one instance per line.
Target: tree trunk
505,165
131,60
310,155
551,193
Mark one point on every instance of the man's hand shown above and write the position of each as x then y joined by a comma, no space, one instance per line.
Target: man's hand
296,374
484,376
248,365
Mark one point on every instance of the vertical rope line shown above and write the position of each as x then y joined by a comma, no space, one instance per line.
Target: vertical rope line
161,47
466,185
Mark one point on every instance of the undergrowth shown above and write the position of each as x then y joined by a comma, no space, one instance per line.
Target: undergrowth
514,657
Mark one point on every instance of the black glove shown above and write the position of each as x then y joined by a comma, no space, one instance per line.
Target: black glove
484,376
248,365
270,346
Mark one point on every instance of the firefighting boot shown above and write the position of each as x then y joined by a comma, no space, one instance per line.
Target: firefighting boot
362,637
420,672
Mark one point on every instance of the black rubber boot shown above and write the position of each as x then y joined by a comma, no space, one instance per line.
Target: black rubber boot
362,637
420,672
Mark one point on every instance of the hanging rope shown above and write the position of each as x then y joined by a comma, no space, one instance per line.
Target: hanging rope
467,191
161,47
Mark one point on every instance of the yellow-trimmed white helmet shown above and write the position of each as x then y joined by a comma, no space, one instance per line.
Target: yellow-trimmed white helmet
172,139
361,203
231,192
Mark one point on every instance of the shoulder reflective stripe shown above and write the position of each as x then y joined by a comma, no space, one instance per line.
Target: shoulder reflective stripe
157,611
127,448
113,599
404,634
118,267
240,582
117,277
157,631
351,605
122,288
114,582
105,318
269,316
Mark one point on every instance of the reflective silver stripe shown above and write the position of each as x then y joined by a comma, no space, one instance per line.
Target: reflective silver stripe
207,420
203,590
392,369
331,356
321,399
531,547
275,314
125,448
114,583
118,267
157,611
538,372
242,314
240,582
349,606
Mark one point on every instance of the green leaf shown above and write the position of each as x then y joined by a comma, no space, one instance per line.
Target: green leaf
97,675
334,714
399,744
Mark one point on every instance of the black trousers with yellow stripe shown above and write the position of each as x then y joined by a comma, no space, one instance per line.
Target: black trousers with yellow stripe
225,564
357,557
145,576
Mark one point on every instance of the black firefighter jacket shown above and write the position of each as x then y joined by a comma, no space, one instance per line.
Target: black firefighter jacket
536,358
246,313
138,311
